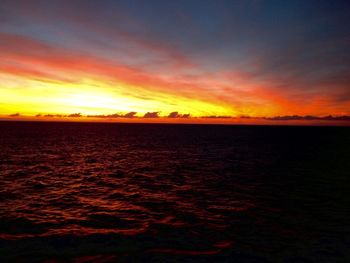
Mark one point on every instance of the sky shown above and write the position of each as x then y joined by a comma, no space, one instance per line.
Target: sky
199,57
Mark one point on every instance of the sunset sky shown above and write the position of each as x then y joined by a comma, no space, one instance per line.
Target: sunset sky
199,57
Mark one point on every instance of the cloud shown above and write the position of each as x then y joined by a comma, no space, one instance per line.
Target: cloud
309,118
174,114
151,115
27,57
110,29
115,115
75,115
130,114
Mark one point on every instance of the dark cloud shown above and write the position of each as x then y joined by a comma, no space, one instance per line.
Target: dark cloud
154,114
115,115
74,115
15,115
309,118
51,115
174,114
130,114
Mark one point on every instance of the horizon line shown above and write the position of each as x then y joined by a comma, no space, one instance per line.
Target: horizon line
176,115
293,120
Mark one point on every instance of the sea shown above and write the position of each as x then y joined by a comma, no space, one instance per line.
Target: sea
113,192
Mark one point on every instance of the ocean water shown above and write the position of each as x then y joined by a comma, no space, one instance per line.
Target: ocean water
95,192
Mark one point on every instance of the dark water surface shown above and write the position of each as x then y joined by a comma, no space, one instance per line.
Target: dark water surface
80,192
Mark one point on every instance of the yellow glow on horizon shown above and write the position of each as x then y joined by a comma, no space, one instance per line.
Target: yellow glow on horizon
94,97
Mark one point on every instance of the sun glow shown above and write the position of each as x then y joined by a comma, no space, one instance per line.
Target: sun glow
31,96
